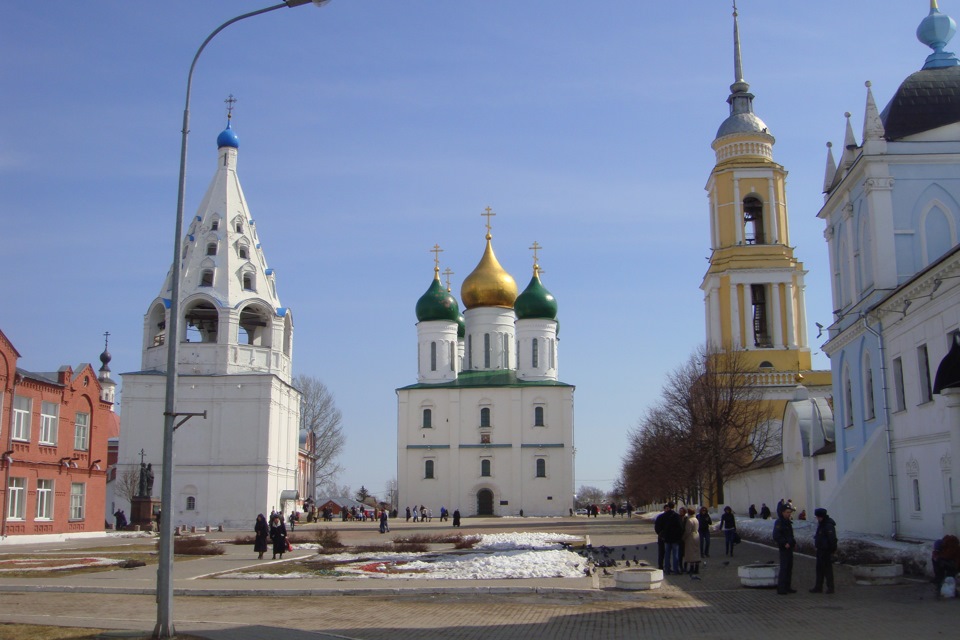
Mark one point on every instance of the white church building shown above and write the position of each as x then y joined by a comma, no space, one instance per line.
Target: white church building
488,426
234,363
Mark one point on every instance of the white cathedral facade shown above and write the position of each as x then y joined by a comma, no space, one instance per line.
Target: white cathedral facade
234,363
488,427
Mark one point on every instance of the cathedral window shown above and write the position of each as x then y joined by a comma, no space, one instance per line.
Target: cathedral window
753,220
868,398
847,400
761,336
427,418
212,249
243,252
538,417
191,503
506,352
541,468
470,351
898,384
452,368
486,351
923,366
485,468
254,326
215,225
428,469
248,281
238,226
535,351
206,278
485,417
433,356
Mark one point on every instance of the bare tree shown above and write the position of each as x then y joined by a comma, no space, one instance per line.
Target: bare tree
128,481
390,492
587,495
319,415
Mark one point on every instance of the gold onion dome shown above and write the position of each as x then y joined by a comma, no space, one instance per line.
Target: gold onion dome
489,285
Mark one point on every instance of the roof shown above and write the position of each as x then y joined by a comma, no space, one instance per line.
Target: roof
501,378
926,100
830,447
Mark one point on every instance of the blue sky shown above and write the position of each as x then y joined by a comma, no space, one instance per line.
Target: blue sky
372,129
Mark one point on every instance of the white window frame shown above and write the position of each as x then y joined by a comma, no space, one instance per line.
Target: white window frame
49,422
78,500
21,417
17,499
81,431
44,499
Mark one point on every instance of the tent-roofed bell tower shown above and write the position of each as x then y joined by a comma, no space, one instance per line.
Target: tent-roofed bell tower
753,289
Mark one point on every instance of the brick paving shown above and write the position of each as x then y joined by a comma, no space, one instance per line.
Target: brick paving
439,609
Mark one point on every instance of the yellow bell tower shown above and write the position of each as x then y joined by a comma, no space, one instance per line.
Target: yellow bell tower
753,289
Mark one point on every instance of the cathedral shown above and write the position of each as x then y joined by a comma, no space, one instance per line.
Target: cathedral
488,427
235,363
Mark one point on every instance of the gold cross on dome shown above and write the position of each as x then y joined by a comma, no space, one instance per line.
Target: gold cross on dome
436,251
230,101
488,212
448,272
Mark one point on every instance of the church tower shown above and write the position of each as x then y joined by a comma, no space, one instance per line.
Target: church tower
235,365
753,288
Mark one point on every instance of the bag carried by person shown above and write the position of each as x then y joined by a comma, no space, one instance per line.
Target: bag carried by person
289,546
736,538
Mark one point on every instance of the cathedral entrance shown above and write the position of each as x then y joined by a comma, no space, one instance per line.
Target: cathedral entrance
485,502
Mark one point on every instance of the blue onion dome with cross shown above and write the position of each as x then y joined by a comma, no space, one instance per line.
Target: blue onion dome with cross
437,303
489,284
227,137
535,301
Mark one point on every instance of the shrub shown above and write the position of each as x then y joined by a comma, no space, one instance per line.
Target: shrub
328,538
196,547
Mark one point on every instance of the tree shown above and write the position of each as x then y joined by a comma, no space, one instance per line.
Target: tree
362,494
587,495
128,481
319,415
710,423
390,492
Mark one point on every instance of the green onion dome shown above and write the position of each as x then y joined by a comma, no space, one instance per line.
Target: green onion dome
536,301
437,303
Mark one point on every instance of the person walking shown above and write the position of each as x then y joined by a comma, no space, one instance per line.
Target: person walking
384,526
704,521
728,524
786,543
260,531
278,534
456,517
825,540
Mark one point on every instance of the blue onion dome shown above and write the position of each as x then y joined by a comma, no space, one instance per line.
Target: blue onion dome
228,138
535,301
437,303
935,31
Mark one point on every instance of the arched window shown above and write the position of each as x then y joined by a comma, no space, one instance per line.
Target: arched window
485,417
427,418
486,351
191,503
215,224
506,352
206,278
433,356
753,220
238,226
254,327
485,468
248,281
761,337
212,249
541,468
452,360
535,358
847,400
538,416
470,351
243,252
428,469
202,321
869,412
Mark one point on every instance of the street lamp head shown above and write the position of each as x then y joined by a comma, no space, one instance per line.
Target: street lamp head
297,3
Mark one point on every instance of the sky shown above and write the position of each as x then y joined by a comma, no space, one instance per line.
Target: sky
371,130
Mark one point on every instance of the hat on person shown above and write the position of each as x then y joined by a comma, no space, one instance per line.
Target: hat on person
820,513
787,507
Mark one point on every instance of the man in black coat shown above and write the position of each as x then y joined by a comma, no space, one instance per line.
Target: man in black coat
672,533
825,540
786,543
658,523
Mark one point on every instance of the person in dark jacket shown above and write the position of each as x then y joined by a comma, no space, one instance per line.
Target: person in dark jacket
728,524
752,511
278,534
261,531
825,540
672,532
786,543
456,517
658,523
703,528
765,511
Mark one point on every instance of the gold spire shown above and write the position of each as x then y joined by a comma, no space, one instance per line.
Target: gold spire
489,285
436,251
448,272
535,247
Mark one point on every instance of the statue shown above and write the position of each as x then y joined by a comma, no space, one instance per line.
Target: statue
142,482
149,480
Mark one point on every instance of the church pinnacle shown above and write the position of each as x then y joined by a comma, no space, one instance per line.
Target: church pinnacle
742,120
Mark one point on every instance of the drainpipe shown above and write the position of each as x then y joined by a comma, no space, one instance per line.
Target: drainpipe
888,427
7,459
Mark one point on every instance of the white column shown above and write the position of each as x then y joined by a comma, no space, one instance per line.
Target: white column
777,337
737,217
735,317
791,324
774,211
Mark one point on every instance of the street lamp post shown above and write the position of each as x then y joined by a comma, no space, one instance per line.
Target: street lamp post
164,627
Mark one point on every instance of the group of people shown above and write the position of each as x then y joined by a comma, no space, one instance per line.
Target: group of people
423,514
683,539
275,530
824,541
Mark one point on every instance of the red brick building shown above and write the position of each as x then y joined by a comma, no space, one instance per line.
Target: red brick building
53,433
